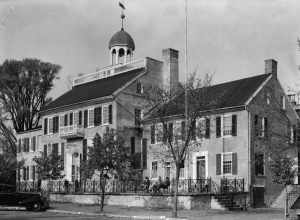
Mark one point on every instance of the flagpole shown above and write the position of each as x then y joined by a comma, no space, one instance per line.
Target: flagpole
186,74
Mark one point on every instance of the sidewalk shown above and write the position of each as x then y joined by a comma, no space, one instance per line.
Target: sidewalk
143,213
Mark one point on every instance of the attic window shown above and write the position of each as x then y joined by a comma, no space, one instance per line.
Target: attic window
268,98
283,103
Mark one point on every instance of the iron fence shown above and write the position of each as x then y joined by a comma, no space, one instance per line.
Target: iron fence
232,185
185,186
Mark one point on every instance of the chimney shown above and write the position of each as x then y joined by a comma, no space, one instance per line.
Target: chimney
271,67
170,68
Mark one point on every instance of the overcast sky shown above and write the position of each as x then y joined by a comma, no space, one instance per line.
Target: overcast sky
230,38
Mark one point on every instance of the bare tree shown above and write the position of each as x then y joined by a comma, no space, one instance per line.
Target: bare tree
163,103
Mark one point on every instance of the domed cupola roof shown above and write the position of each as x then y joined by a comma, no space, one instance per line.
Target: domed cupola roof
121,38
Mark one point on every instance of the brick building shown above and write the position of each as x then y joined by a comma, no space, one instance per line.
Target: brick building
250,120
111,97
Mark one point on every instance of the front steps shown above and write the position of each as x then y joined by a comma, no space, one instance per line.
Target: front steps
225,202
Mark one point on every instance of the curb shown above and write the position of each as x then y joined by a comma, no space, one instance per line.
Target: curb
150,217
12,208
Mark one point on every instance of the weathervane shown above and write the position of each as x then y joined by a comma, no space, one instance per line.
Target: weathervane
122,14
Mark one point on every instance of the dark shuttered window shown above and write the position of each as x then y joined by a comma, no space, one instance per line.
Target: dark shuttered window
234,125
110,114
85,118
144,153
234,164
132,145
84,150
45,125
218,164
152,131
207,128
218,126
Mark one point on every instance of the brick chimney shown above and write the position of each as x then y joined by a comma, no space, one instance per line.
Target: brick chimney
170,68
271,67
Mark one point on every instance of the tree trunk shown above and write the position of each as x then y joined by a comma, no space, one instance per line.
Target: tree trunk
175,207
102,184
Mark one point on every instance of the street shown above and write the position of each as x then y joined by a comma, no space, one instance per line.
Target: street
24,215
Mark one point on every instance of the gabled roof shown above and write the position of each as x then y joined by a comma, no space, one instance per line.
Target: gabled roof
93,90
225,95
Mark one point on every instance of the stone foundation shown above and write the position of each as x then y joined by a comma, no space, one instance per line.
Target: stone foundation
133,200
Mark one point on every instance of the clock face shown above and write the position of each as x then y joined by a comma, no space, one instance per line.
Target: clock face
75,154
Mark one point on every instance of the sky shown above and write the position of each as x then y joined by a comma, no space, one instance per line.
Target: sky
227,38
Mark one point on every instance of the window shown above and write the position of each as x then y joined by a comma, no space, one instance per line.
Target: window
66,120
227,125
200,128
268,97
91,117
55,149
226,163
132,145
46,126
207,128
137,117
55,124
105,115
152,131
61,120
71,118
33,143
85,118
97,116
50,125
24,173
154,169
259,164
139,88
167,170
26,144
80,118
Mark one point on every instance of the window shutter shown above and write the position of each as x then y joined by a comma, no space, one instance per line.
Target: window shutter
62,154
110,116
266,127
80,118
144,153
207,128
218,126
152,131
45,125
66,120
132,145
85,118
193,131
183,130
165,132
91,117
84,150
19,146
234,164
45,150
234,125
170,133
218,164
71,118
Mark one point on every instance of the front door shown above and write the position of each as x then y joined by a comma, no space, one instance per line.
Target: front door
258,197
200,167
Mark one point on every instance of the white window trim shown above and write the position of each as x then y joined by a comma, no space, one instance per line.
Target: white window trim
222,156
105,106
90,126
200,154
222,125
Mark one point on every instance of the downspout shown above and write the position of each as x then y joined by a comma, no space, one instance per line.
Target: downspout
249,153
